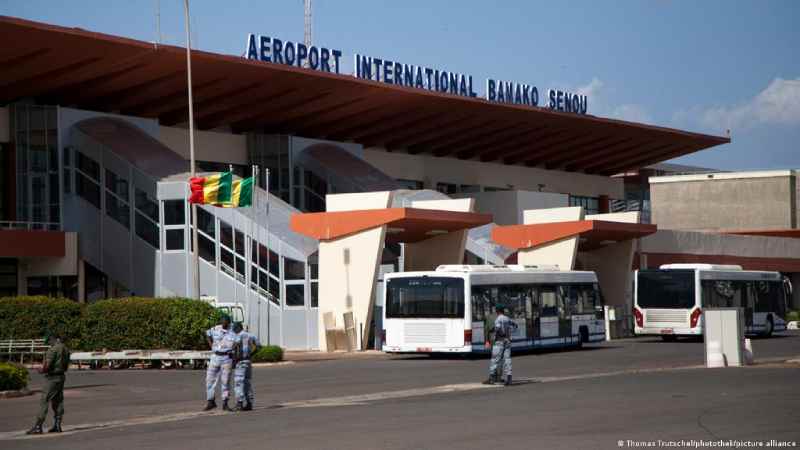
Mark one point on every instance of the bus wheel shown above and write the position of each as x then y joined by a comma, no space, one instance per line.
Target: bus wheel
770,327
669,337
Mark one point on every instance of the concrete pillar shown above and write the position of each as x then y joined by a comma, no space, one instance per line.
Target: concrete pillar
348,267
612,263
442,249
562,252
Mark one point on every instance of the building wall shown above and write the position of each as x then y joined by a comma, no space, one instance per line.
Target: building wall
694,203
432,170
506,207
208,145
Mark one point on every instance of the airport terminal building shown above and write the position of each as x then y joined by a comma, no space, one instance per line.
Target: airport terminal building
94,166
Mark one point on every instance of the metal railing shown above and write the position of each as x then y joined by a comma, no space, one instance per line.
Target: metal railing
30,226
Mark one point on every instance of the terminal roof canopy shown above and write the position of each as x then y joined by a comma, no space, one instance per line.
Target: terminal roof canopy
592,234
406,225
74,67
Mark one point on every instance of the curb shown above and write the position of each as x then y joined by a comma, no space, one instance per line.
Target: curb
268,364
15,394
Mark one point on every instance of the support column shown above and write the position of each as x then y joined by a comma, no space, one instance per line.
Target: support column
562,252
442,249
348,269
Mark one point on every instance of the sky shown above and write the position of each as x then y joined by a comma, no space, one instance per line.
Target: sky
709,66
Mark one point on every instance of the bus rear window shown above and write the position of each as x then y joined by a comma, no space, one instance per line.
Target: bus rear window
669,289
425,297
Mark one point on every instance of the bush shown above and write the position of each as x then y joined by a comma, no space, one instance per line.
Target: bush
147,323
269,353
793,316
35,317
13,377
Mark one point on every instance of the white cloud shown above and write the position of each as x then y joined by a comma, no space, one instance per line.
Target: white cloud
632,113
778,104
592,89
600,106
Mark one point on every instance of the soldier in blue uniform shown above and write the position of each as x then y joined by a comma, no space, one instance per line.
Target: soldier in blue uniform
221,340
501,349
245,345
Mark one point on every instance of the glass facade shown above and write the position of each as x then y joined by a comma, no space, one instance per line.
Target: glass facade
35,135
591,205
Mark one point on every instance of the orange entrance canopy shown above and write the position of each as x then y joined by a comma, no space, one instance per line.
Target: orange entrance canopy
404,224
593,233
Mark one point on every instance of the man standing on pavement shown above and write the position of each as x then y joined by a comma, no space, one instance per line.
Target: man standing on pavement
245,346
56,363
220,339
501,350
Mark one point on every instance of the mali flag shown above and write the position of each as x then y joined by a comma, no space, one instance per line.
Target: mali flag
221,190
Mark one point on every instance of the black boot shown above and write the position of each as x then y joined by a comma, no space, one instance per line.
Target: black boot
225,406
56,426
211,404
508,381
239,407
37,429
247,406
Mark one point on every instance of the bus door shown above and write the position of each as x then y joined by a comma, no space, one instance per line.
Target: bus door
549,313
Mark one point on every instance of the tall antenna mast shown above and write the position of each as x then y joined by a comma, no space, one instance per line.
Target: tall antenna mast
308,30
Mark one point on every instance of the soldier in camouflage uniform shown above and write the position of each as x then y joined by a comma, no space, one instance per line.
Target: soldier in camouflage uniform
56,364
501,349
220,339
245,346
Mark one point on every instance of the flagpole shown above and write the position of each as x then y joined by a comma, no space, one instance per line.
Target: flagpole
269,261
196,262
258,249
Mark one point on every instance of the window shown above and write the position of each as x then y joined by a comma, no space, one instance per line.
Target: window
87,189
117,184
225,234
581,298
241,267
146,205
672,289
87,165
293,270
447,188
174,239
208,249
118,210
205,221
275,290
295,295
590,205
411,184
174,212
226,260
314,294
147,230
239,242
431,297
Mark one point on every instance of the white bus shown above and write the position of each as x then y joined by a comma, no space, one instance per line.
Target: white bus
669,301
449,310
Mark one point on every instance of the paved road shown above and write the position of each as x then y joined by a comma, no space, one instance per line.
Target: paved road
406,407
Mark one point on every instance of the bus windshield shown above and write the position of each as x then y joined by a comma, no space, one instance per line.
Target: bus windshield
670,289
425,297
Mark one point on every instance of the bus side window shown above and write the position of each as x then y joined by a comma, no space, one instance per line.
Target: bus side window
548,301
